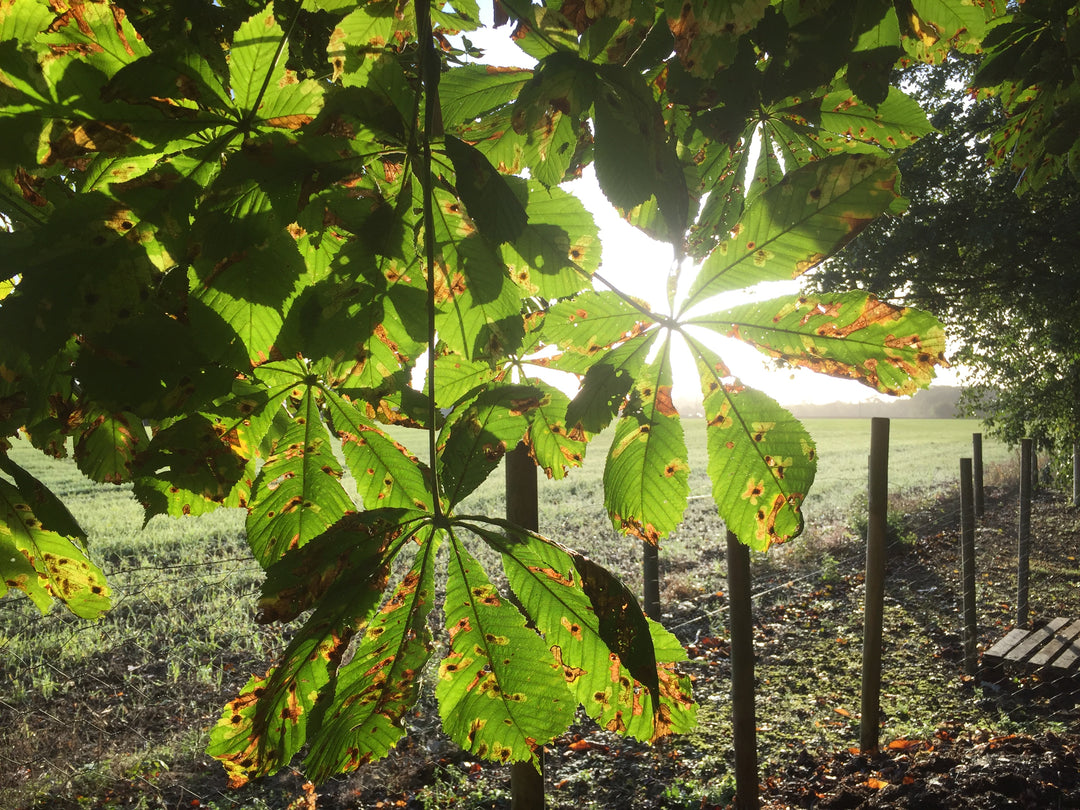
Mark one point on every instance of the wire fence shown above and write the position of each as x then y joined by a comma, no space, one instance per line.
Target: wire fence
117,711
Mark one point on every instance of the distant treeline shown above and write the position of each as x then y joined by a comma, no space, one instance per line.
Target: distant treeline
939,402
930,403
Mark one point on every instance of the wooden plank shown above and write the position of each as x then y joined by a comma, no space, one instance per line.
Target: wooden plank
1014,637
1034,639
1068,658
1054,645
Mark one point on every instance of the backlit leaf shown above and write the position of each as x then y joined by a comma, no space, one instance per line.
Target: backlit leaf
646,474
615,660
261,729
362,720
500,693
892,349
606,384
106,447
478,433
44,564
761,459
552,447
298,493
791,227
387,475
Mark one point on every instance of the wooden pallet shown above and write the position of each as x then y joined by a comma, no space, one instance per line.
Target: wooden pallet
1055,645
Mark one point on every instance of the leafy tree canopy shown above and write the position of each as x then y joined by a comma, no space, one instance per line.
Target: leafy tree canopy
999,268
237,230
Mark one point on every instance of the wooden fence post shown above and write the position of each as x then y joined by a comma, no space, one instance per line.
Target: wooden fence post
743,714
967,554
977,468
1076,472
522,508
650,580
1023,537
873,609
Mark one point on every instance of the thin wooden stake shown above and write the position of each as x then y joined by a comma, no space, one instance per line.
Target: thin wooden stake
977,469
743,715
1076,472
1023,535
967,555
650,575
874,608
522,508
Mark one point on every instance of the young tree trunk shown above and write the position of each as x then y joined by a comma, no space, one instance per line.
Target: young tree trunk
743,714
522,508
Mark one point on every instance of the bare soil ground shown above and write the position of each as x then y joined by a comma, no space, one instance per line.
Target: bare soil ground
1000,740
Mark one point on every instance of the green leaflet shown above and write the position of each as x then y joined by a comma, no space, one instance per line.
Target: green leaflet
854,335
53,515
44,564
634,160
459,378
646,475
618,663
192,467
589,324
479,307
940,25
489,197
386,474
896,122
606,385
471,91
298,492
559,249
550,444
261,729
500,693
761,459
478,433
548,111
362,719
107,445
262,87
707,34
797,223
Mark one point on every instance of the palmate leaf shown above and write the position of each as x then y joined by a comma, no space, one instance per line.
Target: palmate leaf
261,729
362,719
646,475
794,225
43,564
761,459
618,663
387,475
500,693
298,492
892,349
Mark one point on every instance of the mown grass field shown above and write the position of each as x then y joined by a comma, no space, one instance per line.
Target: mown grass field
102,714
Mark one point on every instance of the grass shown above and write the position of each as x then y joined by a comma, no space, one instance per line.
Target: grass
133,694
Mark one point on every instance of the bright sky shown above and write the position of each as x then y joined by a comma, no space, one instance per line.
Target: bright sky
639,266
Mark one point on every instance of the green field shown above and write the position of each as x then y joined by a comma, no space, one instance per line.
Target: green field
142,685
